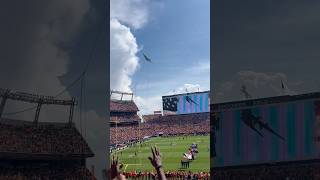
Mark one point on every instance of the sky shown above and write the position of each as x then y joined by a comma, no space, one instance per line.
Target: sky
174,34
44,47
261,43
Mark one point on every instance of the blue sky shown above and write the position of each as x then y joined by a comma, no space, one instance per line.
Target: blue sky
176,36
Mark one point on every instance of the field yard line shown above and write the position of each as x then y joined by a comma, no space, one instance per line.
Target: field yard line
128,165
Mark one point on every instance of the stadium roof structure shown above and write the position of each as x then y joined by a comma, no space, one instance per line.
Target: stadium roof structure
46,140
190,93
262,101
6,94
123,106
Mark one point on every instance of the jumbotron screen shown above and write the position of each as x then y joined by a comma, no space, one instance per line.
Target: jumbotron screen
186,103
275,132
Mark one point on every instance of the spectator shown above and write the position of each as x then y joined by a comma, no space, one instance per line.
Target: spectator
157,163
115,170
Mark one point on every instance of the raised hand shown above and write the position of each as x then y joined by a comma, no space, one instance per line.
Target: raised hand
115,170
156,158
157,163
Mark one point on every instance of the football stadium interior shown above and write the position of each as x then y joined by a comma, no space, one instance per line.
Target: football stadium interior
183,138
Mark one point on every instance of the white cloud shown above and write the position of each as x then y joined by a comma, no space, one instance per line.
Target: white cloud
147,105
123,59
124,15
258,84
260,79
133,13
189,88
124,62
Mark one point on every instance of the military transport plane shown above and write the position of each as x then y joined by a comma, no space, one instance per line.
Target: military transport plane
147,58
251,121
190,100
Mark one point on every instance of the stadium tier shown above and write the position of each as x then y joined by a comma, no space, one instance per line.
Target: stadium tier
196,123
123,112
42,140
151,117
42,151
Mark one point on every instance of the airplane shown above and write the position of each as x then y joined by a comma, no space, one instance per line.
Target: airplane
146,58
250,120
190,100
245,92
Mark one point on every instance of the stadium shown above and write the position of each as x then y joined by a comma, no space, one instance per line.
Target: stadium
268,138
41,150
180,131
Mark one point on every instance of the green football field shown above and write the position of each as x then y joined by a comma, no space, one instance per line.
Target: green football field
171,149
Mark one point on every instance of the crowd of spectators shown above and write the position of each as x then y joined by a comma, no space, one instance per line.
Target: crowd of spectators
41,173
27,149
198,123
122,117
124,112
44,138
158,173
169,175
